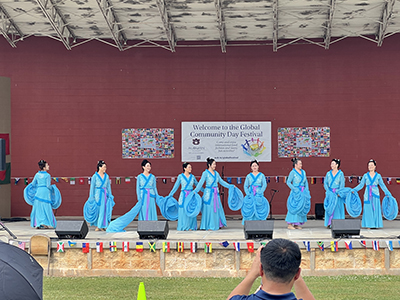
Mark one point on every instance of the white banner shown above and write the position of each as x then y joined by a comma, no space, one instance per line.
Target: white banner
226,141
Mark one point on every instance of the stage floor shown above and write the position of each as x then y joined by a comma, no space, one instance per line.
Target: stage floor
312,230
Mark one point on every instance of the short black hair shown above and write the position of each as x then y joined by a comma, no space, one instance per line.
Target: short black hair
210,161
280,260
42,163
145,162
100,163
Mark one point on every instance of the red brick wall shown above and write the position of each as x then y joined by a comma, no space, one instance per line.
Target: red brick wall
69,107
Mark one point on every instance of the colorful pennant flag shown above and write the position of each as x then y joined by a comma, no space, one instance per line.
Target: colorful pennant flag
224,244
321,246
284,179
26,181
398,180
85,247
180,246
334,246
81,180
152,246
322,180
349,245
56,179
236,245
350,179
113,246
118,180
99,247
139,246
307,245
208,247
125,246
17,180
313,180
172,179
164,180
71,244
127,180
89,180
60,246
375,245
389,180
363,243
72,181
389,245
193,247
229,179
165,247
250,247
239,180
268,179
65,179
276,179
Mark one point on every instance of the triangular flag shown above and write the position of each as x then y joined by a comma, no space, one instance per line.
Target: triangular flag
349,245
236,245
193,247
307,245
321,246
56,179
250,247
17,180
85,247
60,246
389,245
125,246
165,247
139,246
152,246
113,246
99,246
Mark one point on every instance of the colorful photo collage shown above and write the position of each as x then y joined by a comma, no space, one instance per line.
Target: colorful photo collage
304,142
148,143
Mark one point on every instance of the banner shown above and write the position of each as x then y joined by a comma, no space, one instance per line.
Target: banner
226,141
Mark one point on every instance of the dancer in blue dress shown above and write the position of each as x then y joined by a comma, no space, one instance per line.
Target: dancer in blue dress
299,201
187,181
212,212
44,197
333,203
98,208
255,205
372,212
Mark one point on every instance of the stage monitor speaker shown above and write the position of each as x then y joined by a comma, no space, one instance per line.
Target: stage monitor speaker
2,154
153,230
345,228
261,229
319,211
72,229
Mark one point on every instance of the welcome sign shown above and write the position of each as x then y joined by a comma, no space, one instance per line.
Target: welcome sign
226,141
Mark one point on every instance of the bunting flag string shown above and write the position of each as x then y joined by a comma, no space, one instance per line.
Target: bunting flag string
117,180
250,247
60,246
334,246
321,246
363,243
307,245
375,245
180,246
193,247
166,247
152,246
125,246
349,245
389,245
21,245
81,180
113,246
208,247
99,247
139,246
224,244
236,245
85,247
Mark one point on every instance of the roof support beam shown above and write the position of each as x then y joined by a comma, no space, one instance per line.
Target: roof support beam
8,28
113,24
386,16
169,30
328,28
57,21
221,25
275,25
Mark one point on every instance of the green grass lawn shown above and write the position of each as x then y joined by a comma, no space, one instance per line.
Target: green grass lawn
330,288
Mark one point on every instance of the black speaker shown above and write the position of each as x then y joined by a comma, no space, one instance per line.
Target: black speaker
153,230
2,154
319,211
345,228
262,229
72,229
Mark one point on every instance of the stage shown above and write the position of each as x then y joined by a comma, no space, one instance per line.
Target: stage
222,261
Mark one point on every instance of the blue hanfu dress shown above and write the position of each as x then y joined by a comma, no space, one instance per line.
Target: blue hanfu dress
187,184
44,197
372,212
98,208
212,212
146,191
332,185
255,205
298,203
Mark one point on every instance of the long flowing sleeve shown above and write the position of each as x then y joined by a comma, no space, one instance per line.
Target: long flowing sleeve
138,194
290,180
201,182
341,180
305,180
246,185
383,186
326,187
176,186
361,184
223,182
109,193
153,178
263,184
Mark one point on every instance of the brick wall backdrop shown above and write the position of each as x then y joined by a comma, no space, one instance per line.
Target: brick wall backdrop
68,107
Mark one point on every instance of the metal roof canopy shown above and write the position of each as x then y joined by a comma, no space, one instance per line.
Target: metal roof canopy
170,24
